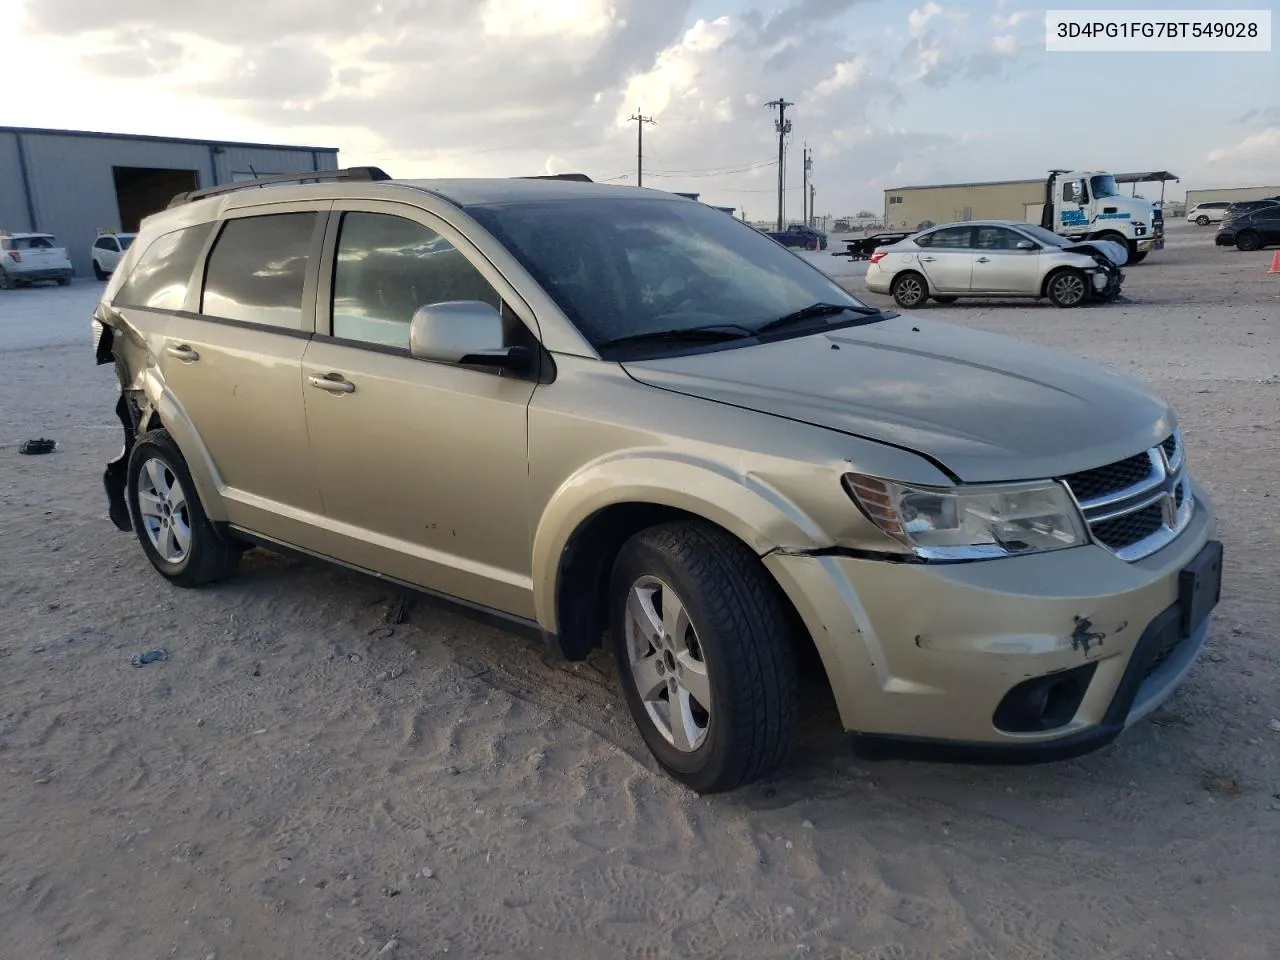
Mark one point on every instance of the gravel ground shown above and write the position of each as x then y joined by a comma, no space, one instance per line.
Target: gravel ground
307,777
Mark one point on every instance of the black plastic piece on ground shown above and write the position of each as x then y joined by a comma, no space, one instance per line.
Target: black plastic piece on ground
151,656
34,447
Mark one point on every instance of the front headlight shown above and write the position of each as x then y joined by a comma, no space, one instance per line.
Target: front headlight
971,522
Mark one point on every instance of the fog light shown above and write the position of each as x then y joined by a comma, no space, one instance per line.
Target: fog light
1044,703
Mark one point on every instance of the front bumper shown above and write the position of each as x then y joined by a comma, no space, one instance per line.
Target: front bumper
1149,243
1226,237
922,656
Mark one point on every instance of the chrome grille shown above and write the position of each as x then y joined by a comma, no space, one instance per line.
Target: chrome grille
1137,505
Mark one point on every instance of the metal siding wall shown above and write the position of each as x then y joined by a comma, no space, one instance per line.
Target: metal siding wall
13,202
74,191
1232,194
944,204
241,159
73,187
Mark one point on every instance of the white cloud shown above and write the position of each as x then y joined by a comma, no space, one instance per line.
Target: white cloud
917,20
572,19
846,75
1251,160
1006,46
1008,21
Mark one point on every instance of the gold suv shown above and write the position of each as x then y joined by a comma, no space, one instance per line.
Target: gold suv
607,414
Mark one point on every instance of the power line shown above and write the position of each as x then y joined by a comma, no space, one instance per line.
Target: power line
731,168
640,120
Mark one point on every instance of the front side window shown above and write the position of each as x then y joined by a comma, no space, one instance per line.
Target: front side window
162,274
103,243
997,238
257,269
1104,186
623,267
387,267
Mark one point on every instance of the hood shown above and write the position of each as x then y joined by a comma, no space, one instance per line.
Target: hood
988,408
1117,253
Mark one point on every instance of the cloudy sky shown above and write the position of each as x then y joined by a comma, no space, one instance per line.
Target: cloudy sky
887,92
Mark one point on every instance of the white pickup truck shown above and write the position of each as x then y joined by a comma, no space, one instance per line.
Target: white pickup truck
29,257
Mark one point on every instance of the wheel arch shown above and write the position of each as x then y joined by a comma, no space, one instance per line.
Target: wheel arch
595,512
162,409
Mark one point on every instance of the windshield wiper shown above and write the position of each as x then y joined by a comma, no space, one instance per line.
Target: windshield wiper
709,334
815,311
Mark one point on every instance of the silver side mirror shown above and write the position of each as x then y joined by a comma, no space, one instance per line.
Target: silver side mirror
1026,245
460,331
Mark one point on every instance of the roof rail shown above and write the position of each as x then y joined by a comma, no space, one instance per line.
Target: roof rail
576,177
363,174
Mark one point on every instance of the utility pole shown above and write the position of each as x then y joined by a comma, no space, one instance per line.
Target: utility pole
783,126
808,186
640,120
813,199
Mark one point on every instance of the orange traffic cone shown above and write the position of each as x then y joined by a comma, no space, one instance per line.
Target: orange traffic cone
1275,263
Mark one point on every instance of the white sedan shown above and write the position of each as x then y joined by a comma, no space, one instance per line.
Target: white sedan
995,258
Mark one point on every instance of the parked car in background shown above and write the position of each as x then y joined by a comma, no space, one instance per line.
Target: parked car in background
996,258
1211,211
108,248
1242,207
653,428
1251,229
32,257
798,235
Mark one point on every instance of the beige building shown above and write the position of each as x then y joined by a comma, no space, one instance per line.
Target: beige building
1231,194
1000,200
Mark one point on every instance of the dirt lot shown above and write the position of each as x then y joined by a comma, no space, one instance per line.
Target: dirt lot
280,785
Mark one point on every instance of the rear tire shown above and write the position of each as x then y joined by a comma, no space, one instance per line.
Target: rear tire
910,290
946,299
1202,220
1248,240
695,617
1067,288
64,281
169,519
5,282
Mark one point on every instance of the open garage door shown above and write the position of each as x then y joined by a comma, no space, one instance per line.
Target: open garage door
142,191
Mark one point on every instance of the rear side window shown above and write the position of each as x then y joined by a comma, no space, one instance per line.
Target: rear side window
34,243
257,269
388,267
954,238
162,274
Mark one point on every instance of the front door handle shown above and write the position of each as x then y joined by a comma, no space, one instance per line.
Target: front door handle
927,259
984,260
334,383
182,352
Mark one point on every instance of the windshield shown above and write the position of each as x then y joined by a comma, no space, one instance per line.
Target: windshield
1104,186
126,241
33,243
625,267
1044,236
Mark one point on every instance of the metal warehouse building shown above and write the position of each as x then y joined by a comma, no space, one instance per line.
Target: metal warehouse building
1001,200
1231,194
73,183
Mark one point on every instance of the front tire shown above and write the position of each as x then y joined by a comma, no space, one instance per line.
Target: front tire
1248,241
98,272
702,639
910,290
1202,220
1067,288
169,519
1138,257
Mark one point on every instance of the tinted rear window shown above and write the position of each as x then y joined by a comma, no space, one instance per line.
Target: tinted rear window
163,273
257,268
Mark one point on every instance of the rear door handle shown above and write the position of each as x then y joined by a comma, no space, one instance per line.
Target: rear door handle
333,383
927,259
183,352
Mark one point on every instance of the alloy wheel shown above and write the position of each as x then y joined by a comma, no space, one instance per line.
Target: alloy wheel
1069,289
162,505
667,665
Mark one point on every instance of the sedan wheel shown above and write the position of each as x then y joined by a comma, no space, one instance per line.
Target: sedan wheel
1247,240
667,665
910,290
1067,288
1202,220
5,283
